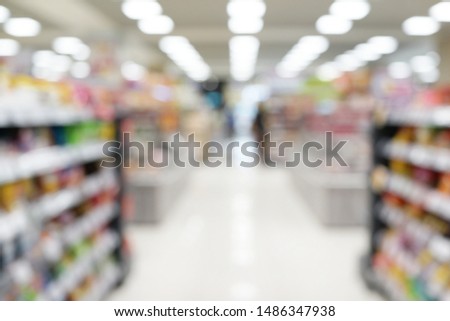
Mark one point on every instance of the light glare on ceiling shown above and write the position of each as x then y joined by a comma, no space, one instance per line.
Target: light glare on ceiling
22,27
246,8
186,57
350,9
420,26
399,70
158,25
83,53
80,70
333,25
367,52
431,76
441,11
9,47
316,44
423,64
43,58
67,45
240,25
243,56
141,9
4,14
61,63
328,72
384,44
132,71
347,62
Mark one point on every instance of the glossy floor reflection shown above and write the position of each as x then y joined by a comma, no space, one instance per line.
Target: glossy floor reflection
244,234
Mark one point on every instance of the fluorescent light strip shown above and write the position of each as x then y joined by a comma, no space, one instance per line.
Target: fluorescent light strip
4,14
246,8
72,46
302,54
132,71
141,9
186,57
333,25
371,50
22,27
243,56
149,14
441,11
350,9
328,71
9,47
421,26
159,25
246,16
354,59
424,66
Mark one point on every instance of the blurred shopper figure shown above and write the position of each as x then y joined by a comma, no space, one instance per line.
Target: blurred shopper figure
260,129
230,122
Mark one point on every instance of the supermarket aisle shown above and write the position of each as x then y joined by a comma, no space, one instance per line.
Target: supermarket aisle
244,234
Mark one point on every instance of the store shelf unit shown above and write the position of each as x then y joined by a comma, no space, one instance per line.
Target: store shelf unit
155,189
61,231
410,228
337,194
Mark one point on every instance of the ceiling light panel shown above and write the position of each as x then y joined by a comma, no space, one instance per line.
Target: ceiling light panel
9,47
149,14
423,64
186,57
302,54
243,56
4,14
246,8
132,71
72,46
441,11
22,27
333,25
384,44
328,71
159,25
80,70
246,16
350,9
141,9
399,70
420,26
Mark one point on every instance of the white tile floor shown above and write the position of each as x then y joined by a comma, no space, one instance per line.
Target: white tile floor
244,234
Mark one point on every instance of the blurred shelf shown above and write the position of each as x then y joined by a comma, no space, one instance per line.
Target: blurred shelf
93,221
83,253
80,269
111,275
437,117
409,242
13,224
46,160
433,158
54,204
437,244
42,116
416,193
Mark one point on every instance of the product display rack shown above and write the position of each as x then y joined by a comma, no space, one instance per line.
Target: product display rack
61,229
154,190
410,227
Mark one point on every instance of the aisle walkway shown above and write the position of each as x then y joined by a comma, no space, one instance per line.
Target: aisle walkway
244,234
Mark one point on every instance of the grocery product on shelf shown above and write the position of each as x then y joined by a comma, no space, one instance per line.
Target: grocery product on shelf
26,101
410,245
60,211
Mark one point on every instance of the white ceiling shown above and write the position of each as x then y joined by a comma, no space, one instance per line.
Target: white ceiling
204,22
